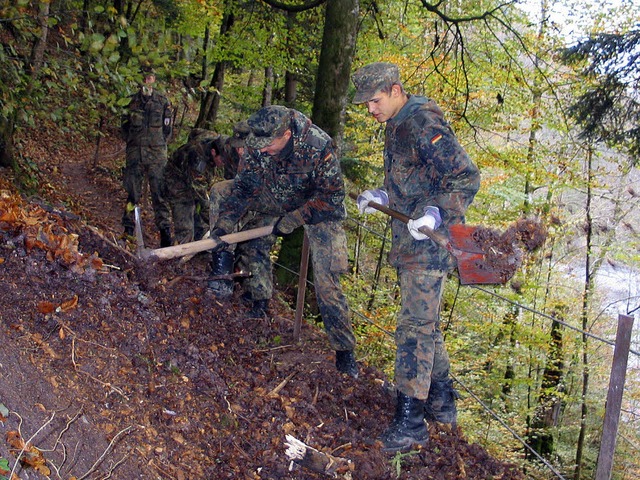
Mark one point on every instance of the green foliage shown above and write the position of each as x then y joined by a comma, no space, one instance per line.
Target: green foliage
398,458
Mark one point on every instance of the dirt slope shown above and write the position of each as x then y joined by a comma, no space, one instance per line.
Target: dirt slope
115,368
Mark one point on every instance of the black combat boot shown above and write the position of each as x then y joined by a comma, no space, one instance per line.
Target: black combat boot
220,282
441,403
259,309
346,363
408,426
165,238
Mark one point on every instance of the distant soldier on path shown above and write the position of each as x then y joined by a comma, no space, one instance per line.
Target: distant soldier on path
147,127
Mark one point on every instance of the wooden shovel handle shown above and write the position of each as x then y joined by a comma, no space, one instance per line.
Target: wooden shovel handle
208,243
437,237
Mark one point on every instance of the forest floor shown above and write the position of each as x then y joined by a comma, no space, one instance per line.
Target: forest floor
115,367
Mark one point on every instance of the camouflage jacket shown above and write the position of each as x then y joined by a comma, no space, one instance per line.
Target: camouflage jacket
189,172
148,121
230,158
425,165
305,176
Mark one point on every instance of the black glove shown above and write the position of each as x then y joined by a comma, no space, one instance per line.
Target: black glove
288,223
215,235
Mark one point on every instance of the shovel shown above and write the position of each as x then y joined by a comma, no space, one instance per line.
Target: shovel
478,262
192,248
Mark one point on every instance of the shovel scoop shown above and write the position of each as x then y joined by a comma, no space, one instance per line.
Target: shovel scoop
482,255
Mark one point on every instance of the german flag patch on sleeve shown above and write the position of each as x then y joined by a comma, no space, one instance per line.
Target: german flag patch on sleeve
436,139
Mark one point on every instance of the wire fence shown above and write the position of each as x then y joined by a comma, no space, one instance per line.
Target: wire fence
533,452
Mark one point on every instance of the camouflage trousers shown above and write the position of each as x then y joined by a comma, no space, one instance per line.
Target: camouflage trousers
146,162
189,209
421,356
328,247
190,220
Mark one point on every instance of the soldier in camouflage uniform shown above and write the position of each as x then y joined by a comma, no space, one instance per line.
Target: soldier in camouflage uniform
290,177
188,177
429,177
190,173
147,128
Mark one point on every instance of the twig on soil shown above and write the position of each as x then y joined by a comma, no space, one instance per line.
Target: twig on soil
274,348
26,444
113,267
340,447
281,385
113,467
73,352
105,384
59,441
242,452
104,454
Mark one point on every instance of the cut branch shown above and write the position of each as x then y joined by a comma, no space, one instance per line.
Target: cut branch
315,460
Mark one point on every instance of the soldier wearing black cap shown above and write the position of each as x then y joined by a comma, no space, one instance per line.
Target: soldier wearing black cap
430,178
290,177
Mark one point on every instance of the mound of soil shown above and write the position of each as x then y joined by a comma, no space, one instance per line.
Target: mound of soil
113,367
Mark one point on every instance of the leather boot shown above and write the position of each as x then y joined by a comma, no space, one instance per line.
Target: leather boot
346,363
408,426
258,309
165,238
221,266
441,403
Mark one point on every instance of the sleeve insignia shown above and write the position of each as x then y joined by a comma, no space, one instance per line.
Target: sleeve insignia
436,139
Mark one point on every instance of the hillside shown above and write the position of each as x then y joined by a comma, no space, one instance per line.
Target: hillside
113,367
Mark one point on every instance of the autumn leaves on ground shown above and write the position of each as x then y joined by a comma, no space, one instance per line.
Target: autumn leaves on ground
112,367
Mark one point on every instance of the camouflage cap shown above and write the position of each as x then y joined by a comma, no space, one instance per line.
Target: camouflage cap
146,70
372,78
240,132
266,125
200,132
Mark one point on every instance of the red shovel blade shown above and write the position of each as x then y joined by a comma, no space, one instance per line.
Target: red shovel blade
482,256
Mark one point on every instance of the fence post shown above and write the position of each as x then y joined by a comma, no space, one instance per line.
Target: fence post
614,398
302,287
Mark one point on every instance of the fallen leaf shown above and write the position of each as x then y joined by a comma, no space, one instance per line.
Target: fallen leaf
45,307
69,304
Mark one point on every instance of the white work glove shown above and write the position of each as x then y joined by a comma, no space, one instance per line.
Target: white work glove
377,195
431,219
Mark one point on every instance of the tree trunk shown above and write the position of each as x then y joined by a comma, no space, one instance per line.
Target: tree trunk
290,89
549,406
211,100
267,91
334,69
7,156
586,297
332,84
37,52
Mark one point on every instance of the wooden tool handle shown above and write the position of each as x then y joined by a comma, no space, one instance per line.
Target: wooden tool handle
208,243
437,237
